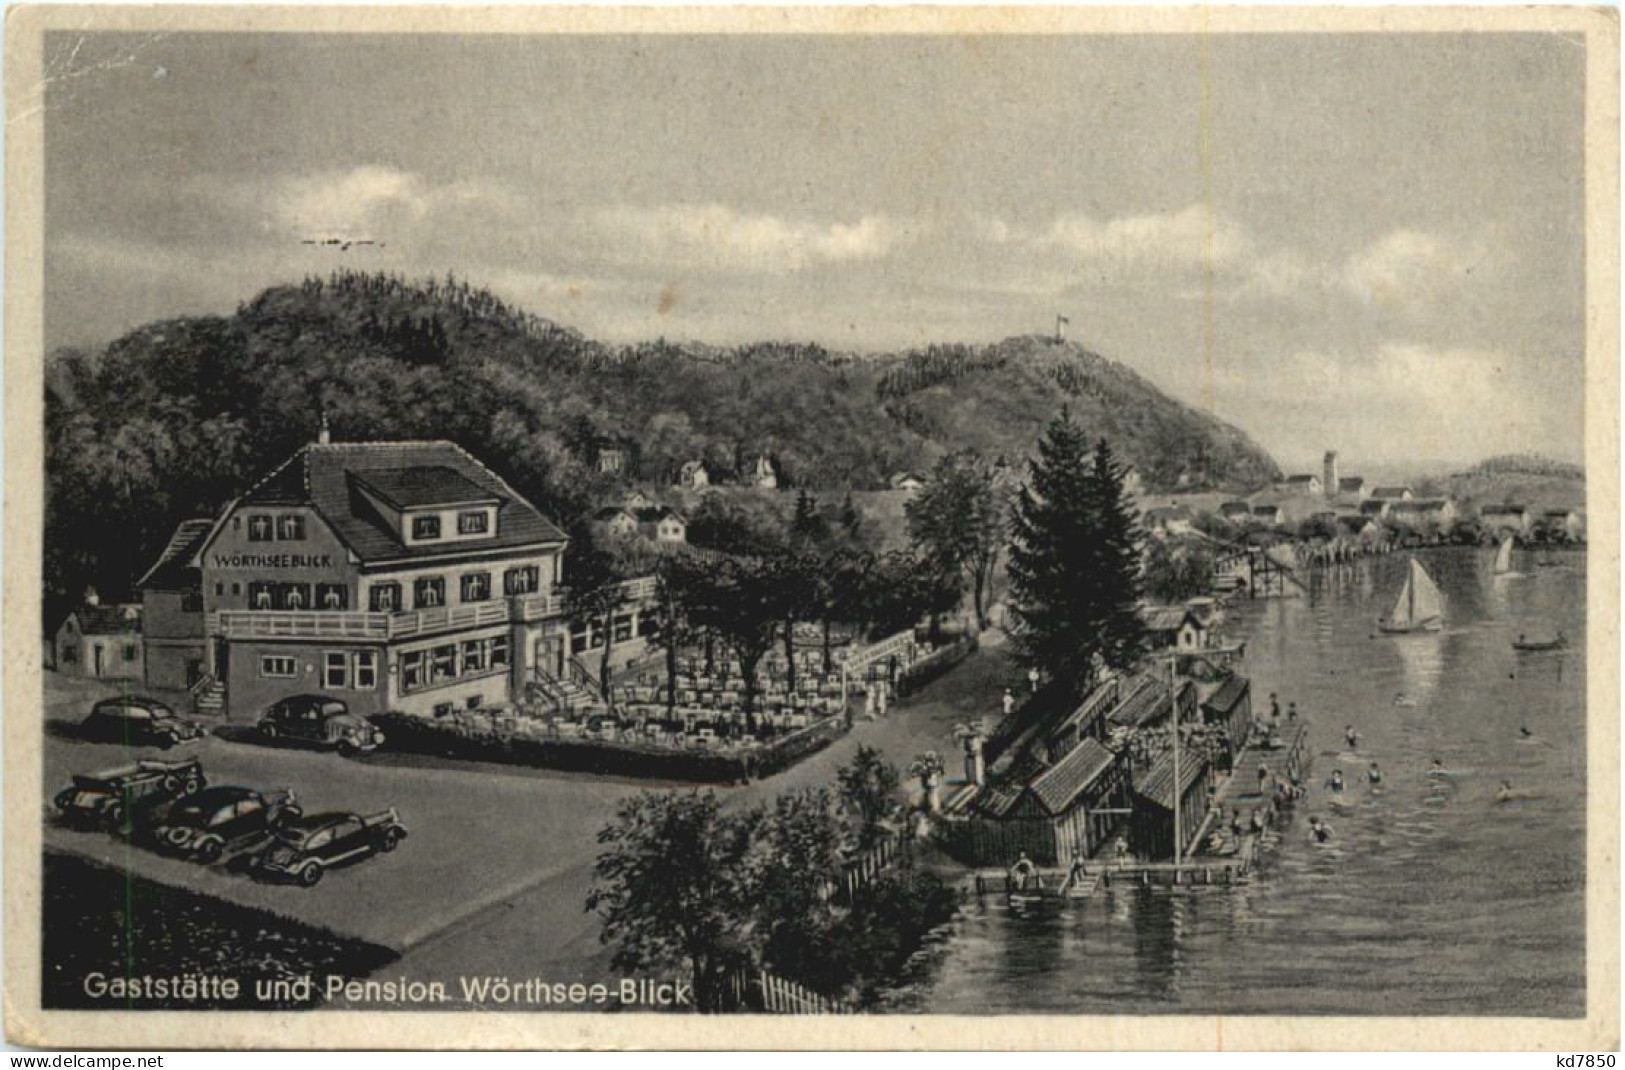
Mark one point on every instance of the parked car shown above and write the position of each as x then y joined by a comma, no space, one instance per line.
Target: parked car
305,847
120,800
138,722
221,820
321,720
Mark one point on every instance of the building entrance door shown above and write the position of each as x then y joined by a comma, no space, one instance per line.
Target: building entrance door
96,659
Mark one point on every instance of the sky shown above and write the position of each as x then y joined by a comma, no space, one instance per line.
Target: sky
1368,243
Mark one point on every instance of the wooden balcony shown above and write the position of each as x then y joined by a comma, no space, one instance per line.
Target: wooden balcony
322,624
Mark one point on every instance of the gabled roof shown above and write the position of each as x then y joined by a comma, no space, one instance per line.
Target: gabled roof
654,514
425,485
1235,509
1503,510
1303,479
1390,492
1060,785
108,620
174,569
1265,510
325,478
1167,618
1231,692
1351,483
610,512
1420,505
1157,783
1375,506
1168,512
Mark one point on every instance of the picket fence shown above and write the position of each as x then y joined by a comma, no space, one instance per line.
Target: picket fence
764,991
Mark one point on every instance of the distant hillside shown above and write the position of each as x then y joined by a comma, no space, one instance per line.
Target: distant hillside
1522,478
177,416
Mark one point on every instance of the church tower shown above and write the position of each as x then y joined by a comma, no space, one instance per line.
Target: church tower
1328,477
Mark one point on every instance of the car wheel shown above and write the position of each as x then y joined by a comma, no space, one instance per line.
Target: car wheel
310,874
193,786
114,816
392,840
209,852
165,742
172,784
347,749
268,731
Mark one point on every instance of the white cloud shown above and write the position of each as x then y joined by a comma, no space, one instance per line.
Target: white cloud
1410,271
718,237
366,201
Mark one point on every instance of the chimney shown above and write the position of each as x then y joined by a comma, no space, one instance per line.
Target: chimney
323,437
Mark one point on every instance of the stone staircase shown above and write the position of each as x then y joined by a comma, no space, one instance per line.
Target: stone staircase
209,695
572,696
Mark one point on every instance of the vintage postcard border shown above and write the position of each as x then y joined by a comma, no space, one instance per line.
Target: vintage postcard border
26,1023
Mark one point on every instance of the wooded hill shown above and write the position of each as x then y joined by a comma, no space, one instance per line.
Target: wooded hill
176,417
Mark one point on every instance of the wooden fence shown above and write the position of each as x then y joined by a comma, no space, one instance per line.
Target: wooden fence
762,991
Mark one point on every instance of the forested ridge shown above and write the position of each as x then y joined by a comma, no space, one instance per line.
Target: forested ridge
177,417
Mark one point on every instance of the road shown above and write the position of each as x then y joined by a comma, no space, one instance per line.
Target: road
494,875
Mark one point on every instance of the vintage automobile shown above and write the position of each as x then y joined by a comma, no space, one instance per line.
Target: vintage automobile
221,820
305,847
321,720
122,799
138,721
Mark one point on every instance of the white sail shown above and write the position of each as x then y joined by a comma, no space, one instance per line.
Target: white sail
1503,557
1419,604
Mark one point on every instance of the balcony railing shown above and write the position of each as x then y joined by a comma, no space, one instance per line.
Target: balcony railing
323,624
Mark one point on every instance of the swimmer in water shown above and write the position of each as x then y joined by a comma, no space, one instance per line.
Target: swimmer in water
1438,769
1319,830
1523,730
1505,793
1336,782
1374,775
1351,736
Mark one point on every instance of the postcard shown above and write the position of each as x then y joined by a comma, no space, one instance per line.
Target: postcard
611,528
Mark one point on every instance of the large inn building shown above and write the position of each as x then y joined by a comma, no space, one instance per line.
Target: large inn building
393,575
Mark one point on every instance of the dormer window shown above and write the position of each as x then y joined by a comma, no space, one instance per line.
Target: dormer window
425,527
259,529
290,526
475,522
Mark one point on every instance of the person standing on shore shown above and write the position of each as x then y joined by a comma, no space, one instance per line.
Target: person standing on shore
1275,708
1009,702
1032,679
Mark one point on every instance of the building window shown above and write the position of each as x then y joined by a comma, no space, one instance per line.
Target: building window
332,596
477,522
523,580
336,670
260,596
425,527
474,655
219,589
578,638
70,653
131,651
290,526
279,667
366,670
429,592
476,586
499,652
236,590
412,670
294,596
259,529
623,627
442,663
475,701
384,598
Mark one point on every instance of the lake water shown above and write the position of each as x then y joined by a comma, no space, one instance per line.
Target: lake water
1429,900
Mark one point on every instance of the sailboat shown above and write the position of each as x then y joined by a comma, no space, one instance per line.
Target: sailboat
1503,560
1419,608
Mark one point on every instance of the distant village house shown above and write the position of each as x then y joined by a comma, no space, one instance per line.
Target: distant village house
102,642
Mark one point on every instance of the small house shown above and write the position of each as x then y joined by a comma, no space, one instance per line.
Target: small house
1509,517
1174,628
1564,522
764,474
1153,821
1267,514
693,475
1235,511
1231,708
1302,484
1065,810
1376,508
101,642
614,522
1353,487
1392,494
657,523
1168,520
907,481
612,456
